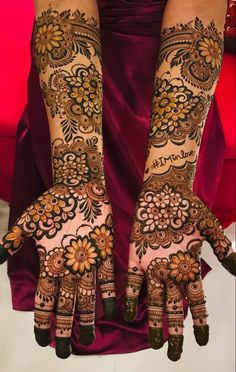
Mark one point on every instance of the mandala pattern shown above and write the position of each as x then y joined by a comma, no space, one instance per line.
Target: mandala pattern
167,210
184,267
104,240
161,210
80,255
78,162
60,37
54,264
197,49
177,113
77,98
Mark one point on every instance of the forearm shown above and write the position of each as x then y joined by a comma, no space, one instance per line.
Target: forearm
187,72
68,58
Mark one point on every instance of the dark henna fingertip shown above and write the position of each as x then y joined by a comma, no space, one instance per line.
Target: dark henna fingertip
63,347
155,338
175,347
201,334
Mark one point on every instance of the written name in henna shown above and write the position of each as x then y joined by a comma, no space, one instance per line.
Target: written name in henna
163,160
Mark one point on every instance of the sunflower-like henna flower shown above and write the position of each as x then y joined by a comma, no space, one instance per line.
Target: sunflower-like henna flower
47,37
211,51
184,266
80,255
104,240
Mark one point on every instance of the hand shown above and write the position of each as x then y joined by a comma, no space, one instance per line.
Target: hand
73,230
169,227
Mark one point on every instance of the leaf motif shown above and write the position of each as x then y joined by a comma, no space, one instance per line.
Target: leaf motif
198,24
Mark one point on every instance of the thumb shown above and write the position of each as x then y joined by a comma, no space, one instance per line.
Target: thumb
11,242
212,231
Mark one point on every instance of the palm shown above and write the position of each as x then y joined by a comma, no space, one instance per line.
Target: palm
169,227
73,230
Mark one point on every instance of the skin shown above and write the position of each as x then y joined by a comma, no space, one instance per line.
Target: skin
71,223
171,222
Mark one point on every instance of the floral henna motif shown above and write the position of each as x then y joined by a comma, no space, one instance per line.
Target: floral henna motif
44,217
167,211
78,162
184,266
77,98
177,113
80,255
197,49
60,37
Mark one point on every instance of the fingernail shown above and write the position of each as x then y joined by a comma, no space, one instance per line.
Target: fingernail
201,334
175,347
63,347
109,308
86,335
130,312
42,336
155,337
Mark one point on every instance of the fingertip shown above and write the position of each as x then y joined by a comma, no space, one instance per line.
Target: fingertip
42,336
63,347
130,311
175,347
4,254
201,334
86,335
109,308
229,263
155,338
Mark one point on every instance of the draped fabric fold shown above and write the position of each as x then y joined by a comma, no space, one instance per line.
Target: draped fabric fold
130,42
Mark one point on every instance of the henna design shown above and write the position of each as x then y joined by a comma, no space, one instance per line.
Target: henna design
44,217
87,298
197,49
177,113
167,210
60,37
80,255
76,97
184,266
211,229
78,162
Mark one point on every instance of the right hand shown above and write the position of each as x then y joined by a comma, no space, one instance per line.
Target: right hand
73,230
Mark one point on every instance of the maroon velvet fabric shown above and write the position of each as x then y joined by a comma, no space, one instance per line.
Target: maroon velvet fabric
130,41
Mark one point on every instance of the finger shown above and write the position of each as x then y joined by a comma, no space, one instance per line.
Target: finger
103,237
65,315
175,319
11,242
107,285
86,306
134,282
211,229
196,300
156,296
45,295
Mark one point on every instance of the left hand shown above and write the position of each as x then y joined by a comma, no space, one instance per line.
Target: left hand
169,227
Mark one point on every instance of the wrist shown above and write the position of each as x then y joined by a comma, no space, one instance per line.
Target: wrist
78,162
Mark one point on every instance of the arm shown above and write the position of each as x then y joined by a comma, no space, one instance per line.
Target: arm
171,222
72,222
